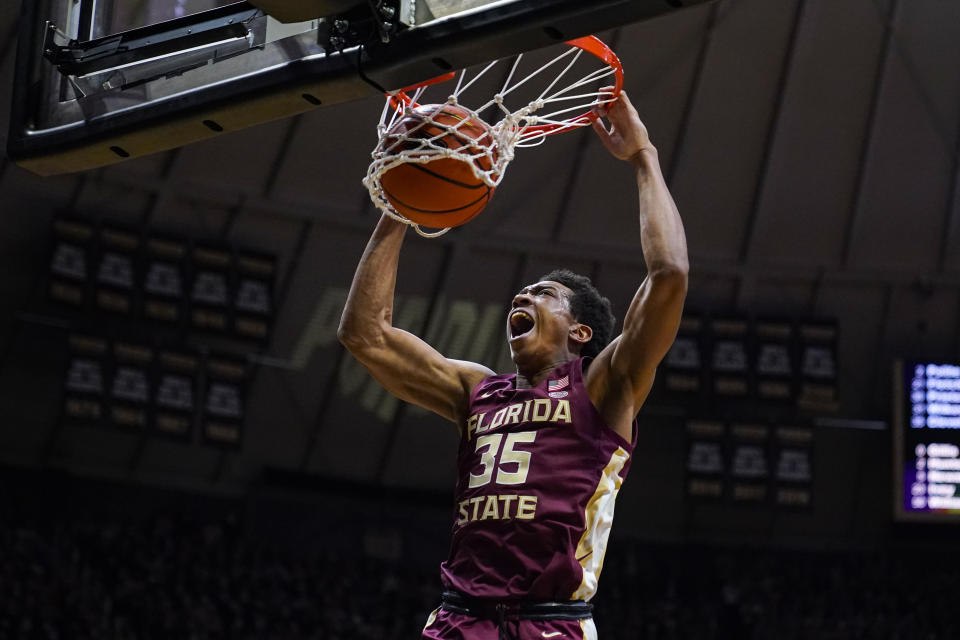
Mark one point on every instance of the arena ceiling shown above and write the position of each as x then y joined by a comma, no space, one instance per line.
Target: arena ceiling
812,147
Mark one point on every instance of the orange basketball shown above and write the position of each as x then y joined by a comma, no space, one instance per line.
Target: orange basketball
443,192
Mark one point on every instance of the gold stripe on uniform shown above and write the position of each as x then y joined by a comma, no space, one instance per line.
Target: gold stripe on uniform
589,629
598,519
431,618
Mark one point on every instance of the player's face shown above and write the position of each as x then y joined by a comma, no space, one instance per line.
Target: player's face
540,319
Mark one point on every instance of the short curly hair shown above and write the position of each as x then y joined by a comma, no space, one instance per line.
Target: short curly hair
589,307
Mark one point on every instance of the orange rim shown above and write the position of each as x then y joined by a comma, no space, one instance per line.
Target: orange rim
594,46
401,97
591,44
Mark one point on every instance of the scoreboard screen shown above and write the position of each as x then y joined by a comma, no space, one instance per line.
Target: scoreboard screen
927,442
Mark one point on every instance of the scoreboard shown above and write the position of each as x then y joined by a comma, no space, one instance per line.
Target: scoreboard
926,441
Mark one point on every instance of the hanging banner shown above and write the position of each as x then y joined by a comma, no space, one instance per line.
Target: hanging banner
85,380
223,401
175,393
730,362
793,470
129,397
683,371
774,369
116,271
706,459
253,298
70,261
749,467
818,366
210,289
164,295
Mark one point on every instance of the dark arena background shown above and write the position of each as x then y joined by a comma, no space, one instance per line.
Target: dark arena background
186,451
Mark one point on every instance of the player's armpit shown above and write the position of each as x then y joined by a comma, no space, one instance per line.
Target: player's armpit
415,372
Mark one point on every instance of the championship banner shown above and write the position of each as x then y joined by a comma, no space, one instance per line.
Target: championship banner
818,366
84,393
683,371
70,261
730,364
164,296
129,397
253,299
174,399
749,468
115,273
793,467
706,459
223,400
774,361
210,293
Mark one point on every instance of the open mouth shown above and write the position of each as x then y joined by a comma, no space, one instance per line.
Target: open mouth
520,323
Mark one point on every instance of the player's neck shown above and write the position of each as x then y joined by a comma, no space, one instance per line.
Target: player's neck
530,379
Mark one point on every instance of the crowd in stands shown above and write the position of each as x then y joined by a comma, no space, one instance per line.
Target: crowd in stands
169,576
669,593
165,579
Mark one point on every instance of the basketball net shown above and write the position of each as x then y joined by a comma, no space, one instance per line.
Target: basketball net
551,112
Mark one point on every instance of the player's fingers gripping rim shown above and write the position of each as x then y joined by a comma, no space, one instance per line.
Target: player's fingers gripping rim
620,109
605,101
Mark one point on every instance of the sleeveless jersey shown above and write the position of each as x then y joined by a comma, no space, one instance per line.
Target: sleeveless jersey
537,476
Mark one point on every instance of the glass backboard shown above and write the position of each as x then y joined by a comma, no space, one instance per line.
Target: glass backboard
100,81
108,17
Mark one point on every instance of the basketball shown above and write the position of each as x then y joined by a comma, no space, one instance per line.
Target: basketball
443,192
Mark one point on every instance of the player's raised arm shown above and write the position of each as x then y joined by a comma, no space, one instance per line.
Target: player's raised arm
404,364
626,367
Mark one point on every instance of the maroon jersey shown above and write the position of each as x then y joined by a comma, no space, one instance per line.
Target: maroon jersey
538,473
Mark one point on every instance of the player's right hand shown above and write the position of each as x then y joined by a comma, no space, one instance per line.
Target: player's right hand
627,135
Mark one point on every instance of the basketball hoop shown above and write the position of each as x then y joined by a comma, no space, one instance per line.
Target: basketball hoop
548,113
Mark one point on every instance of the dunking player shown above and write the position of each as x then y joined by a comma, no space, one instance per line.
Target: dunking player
542,452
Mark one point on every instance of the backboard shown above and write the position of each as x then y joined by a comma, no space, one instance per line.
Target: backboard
100,81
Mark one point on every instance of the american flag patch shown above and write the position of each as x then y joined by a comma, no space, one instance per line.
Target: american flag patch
556,385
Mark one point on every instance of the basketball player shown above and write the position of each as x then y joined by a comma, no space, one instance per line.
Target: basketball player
542,452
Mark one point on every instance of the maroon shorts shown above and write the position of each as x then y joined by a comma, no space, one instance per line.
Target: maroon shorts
446,625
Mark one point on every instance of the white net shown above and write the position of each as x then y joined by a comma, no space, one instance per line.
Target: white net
409,133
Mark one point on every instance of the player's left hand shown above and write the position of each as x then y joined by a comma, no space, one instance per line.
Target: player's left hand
627,135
